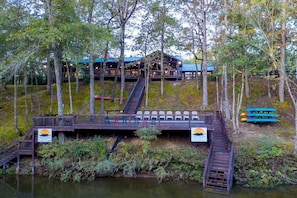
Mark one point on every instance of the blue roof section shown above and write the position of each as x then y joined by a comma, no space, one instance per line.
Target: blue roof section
110,60
192,67
178,58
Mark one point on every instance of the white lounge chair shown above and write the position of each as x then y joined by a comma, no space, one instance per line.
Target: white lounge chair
154,115
178,115
186,115
139,115
146,115
162,115
169,115
195,115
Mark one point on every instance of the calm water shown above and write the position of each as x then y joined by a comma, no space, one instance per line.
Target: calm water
27,186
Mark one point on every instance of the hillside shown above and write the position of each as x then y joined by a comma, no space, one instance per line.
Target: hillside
178,95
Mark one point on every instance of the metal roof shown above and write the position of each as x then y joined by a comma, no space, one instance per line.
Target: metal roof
110,60
192,67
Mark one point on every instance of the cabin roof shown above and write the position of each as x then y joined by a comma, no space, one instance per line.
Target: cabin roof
192,67
110,60
129,59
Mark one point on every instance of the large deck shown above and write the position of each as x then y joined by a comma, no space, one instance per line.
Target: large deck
123,122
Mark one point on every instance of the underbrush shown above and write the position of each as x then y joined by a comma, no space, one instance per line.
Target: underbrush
264,163
81,160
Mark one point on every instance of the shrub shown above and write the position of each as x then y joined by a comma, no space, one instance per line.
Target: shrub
106,168
147,134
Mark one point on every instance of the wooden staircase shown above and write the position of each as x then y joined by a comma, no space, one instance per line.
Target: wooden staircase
135,97
218,170
17,149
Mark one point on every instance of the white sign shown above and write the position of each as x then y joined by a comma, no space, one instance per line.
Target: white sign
45,135
199,134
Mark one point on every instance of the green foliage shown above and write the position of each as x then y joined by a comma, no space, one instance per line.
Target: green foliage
161,173
212,77
106,168
147,134
79,148
165,163
261,162
65,176
74,160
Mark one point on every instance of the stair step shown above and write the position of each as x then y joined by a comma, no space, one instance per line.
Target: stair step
217,184
220,167
221,158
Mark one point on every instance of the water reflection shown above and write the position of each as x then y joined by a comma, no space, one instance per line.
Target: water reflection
27,186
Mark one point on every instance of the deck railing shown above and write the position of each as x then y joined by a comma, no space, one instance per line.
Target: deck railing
127,120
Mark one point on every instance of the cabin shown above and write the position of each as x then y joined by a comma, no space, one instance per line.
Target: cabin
137,66
173,68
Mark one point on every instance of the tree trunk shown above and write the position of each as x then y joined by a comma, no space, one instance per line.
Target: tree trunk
147,79
102,79
15,102
122,64
92,85
162,49
268,86
204,60
217,92
222,91
233,100
37,93
282,69
77,78
48,75
196,76
57,65
26,95
226,97
61,135
69,88
246,82
239,102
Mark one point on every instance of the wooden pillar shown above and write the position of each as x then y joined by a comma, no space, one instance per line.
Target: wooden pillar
17,170
33,152
18,159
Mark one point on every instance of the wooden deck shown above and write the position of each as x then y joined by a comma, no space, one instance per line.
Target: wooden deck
218,170
120,122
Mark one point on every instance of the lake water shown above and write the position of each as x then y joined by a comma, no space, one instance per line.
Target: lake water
27,186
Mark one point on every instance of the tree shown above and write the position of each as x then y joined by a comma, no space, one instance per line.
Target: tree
267,28
198,12
17,49
163,24
50,11
122,10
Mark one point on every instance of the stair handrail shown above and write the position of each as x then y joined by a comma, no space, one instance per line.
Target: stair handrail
206,166
230,149
230,169
13,148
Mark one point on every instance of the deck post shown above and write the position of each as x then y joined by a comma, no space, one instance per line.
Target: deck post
33,152
17,170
